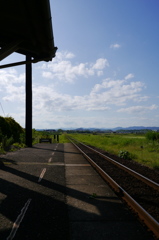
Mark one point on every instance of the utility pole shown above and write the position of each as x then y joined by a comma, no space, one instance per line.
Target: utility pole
28,116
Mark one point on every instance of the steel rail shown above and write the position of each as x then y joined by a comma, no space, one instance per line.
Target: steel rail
149,221
132,172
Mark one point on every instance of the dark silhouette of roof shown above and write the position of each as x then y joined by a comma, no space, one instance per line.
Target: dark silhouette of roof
26,28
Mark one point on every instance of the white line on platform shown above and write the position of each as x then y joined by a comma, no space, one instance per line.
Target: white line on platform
53,153
56,147
42,174
18,221
49,160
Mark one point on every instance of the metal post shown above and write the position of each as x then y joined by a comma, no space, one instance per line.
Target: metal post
28,116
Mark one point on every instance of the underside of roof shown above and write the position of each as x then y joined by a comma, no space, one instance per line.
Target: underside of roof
26,28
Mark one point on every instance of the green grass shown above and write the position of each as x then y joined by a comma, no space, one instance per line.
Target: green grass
63,138
141,150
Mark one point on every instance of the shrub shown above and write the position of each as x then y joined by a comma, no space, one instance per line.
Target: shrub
1,135
7,142
5,127
124,154
152,136
19,145
1,148
10,132
15,128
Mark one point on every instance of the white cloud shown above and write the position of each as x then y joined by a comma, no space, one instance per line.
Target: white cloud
141,99
45,97
118,92
99,73
101,98
69,55
115,46
12,85
138,109
129,76
14,93
101,63
64,55
47,74
63,69
10,76
105,96
118,89
107,83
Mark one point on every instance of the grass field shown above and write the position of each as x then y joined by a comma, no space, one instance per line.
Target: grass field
139,147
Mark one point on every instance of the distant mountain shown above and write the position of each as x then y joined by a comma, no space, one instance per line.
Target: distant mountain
115,129
106,129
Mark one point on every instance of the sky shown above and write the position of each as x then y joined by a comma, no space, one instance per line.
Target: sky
105,73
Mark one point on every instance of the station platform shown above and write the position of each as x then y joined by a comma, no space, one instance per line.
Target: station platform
50,191
95,212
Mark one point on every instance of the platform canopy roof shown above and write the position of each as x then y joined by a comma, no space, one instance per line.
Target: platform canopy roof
26,28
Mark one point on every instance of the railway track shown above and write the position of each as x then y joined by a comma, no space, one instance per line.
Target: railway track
139,191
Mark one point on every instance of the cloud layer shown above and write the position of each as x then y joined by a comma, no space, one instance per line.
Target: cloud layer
115,46
12,85
63,69
105,95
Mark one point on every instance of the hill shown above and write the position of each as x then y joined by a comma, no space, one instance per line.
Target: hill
133,128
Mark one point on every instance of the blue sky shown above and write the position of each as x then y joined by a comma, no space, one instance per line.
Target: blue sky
105,73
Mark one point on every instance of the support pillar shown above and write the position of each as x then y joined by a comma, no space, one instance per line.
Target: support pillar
28,116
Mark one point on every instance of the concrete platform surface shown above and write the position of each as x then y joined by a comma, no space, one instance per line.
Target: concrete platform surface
95,212
50,192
